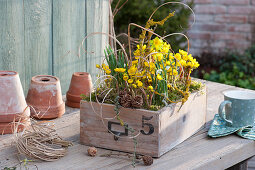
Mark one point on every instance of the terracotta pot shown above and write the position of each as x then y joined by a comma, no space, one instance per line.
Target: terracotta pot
45,98
12,100
80,84
8,128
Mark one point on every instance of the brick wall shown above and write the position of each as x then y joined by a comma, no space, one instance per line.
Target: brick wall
221,25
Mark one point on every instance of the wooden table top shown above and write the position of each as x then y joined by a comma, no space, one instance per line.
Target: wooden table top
197,152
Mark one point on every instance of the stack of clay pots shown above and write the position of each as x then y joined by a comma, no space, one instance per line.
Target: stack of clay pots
14,112
45,97
80,84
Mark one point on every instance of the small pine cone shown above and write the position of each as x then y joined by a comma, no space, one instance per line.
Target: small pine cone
125,101
122,93
92,151
147,160
137,102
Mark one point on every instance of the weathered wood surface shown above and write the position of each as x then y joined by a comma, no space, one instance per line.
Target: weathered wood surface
12,55
251,163
197,152
168,126
97,20
38,39
68,31
43,36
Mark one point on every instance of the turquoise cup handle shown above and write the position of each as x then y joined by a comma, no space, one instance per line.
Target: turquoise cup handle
221,113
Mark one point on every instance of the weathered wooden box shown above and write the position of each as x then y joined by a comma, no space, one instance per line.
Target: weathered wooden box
160,130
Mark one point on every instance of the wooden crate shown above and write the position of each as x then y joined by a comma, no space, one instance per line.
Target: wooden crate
160,131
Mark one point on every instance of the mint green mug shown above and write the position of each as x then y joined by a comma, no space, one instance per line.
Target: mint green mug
239,108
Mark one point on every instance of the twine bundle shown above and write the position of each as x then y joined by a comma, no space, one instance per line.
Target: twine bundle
41,141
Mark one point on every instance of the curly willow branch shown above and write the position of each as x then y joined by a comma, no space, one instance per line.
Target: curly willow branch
100,33
178,34
99,81
181,3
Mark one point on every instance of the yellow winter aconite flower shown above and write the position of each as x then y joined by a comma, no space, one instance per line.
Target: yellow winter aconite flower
137,53
146,64
159,56
143,48
171,56
125,78
98,66
132,70
183,63
139,83
178,56
196,65
135,62
130,81
190,57
120,70
165,48
134,85
182,52
139,74
189,64
169,86
159,77
108,71
185,57
168,63
173,72
156,43
150,88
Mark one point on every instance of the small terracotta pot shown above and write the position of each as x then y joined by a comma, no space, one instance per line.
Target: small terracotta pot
45,98
12,100
8,128
80,84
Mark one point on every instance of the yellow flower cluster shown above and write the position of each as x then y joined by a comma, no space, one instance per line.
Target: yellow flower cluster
186,60
139,51
106,69
152,64
159,46
120,70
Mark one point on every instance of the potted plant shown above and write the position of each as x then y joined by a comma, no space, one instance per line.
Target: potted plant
144,102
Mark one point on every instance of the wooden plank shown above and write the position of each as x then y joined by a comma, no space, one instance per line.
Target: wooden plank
97,20
240,166
68,31
38,38
198,152
12,37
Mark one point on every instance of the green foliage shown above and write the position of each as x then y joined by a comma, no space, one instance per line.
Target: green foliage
235,69
138,11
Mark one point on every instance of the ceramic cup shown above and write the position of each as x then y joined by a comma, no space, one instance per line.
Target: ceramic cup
239,108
